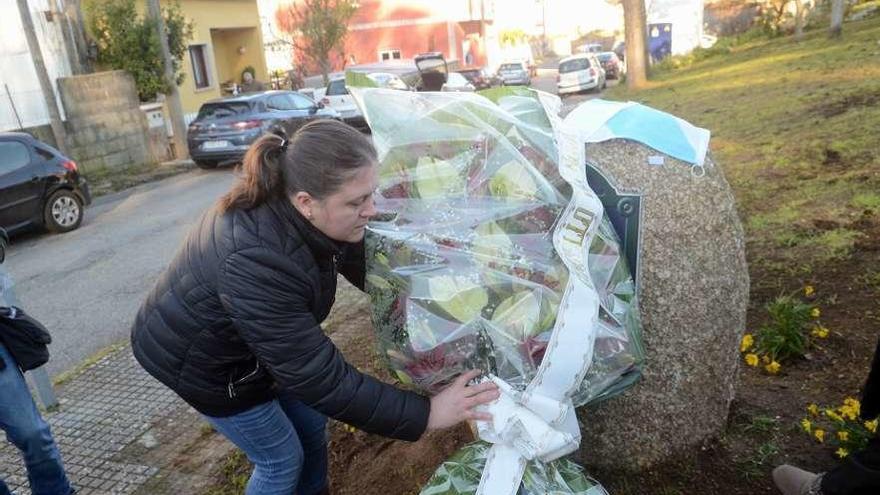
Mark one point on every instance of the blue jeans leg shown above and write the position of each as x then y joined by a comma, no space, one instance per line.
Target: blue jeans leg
311,427
271,441
25,428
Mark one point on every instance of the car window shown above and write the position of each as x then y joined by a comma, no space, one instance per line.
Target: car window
511,67
574,65
300,102
223,109
13,156
605,57
337,87
279,102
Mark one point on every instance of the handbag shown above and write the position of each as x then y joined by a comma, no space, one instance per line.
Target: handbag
25,338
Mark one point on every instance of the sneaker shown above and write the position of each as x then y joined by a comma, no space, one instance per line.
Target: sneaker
795,481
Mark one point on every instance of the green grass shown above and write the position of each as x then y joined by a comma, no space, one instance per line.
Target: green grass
792,125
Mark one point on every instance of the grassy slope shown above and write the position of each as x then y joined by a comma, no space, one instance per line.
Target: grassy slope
796,127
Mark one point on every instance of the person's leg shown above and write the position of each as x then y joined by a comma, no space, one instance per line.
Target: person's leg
25,428
266,436
311,427
858,474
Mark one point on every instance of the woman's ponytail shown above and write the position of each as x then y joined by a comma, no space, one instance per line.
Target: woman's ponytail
261,177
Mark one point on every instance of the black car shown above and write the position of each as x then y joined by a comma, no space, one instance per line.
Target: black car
225,128
4,241
39,186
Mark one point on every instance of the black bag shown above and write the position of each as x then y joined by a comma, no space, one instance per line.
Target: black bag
25,338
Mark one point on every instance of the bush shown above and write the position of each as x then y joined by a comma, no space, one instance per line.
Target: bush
128,41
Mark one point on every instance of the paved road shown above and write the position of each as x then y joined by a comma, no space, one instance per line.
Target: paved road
87,285
546,81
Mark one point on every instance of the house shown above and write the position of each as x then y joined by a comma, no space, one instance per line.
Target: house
383,30
22,105
227,38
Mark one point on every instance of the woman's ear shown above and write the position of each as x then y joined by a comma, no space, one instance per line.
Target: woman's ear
304,203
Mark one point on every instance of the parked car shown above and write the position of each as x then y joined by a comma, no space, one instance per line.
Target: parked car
590,48
225,128
4,242
39,186
612,65
578,73
337,97
620,50
478,76
512,73
457,82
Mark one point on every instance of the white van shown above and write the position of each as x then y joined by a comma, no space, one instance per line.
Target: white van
579,73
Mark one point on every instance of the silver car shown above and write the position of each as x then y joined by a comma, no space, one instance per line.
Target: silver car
512,73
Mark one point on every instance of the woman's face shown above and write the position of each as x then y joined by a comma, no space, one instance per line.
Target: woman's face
343,215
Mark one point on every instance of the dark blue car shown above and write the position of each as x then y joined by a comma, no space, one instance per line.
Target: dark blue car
39,186
225,128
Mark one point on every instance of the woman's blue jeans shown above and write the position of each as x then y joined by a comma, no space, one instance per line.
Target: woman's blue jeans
286,441
25,428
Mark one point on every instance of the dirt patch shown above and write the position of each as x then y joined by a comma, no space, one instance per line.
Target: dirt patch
833,107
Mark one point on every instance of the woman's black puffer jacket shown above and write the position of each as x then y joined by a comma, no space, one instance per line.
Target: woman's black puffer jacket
235,321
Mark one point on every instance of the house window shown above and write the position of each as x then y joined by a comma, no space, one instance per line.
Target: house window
199,57
389,55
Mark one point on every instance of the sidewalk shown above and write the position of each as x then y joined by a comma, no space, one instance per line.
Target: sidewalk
118,429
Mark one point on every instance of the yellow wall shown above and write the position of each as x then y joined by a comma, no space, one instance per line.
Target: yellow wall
223,45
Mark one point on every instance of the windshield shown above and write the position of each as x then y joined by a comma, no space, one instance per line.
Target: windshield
223,109
605,57
337,87
574,65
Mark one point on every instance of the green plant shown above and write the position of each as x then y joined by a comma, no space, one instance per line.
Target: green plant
840,426
788,333
128,41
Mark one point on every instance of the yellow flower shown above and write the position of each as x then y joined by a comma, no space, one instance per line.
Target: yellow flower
819,434
747,342
765,358
843,436
809,291
806,425
871,426
815,313
850,412
854,403
752,359
773,367
813,409
820,332
842,452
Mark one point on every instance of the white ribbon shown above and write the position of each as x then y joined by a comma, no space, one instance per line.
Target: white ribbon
540,423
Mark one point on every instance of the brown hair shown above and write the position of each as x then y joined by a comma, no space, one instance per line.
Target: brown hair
318,159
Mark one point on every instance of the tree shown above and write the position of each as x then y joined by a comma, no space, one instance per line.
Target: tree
837,9
43,76
317,28
799,19
128,41
636,28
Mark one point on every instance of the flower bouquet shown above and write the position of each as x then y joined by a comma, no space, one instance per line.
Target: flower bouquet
462,264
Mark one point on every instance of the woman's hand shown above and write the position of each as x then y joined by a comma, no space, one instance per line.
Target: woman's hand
457,401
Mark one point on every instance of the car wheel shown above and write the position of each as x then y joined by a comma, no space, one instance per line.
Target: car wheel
63,212
206,164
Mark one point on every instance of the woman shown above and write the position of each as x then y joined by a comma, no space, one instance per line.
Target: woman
233,325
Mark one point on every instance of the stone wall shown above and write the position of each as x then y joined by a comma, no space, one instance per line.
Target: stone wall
105,125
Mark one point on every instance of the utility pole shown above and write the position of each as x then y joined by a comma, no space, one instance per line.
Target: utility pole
43,76
175,108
